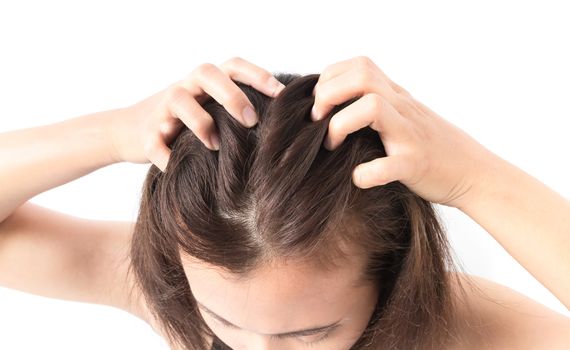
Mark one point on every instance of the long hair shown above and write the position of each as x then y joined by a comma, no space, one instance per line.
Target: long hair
274,191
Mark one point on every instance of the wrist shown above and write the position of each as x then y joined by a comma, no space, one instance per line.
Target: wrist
108,120
493,177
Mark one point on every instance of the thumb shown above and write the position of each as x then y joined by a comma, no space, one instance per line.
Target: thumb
381,171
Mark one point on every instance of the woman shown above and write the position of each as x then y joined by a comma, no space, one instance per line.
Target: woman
265,240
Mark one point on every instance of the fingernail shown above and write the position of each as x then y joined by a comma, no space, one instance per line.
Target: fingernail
215,141
314,116
277,87
358,177
249,116
327,144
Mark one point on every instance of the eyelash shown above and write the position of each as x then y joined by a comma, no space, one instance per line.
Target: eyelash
312,343
224,323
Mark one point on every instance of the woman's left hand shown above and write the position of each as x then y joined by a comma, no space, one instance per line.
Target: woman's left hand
431,156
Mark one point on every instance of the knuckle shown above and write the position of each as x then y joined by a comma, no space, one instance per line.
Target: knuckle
376,177
325,74
205,69
364,61
374,102
335,125
200,129
362,77
233,62
322,94
378,174
236,60
199,123
174,94
233,97
266,77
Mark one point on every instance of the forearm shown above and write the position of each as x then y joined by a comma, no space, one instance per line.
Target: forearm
530,220
36,159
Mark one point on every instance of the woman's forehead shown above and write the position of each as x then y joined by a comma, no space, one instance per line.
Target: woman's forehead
276,295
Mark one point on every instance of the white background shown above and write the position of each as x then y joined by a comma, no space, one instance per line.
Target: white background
498,70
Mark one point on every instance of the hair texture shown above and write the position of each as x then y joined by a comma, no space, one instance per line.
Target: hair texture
272,191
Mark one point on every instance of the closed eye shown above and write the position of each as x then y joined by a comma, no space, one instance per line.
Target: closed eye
324,334
314,342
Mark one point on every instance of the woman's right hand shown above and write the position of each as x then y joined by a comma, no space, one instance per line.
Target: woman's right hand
142,132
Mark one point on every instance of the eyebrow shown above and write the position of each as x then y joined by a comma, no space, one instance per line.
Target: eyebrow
302,332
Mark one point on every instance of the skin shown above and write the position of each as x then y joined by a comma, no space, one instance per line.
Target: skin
145,130
52,254
282,297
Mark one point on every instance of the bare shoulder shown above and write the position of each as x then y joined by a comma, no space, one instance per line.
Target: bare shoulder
499,317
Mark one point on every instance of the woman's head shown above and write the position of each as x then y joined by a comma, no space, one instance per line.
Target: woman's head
330,308
271,234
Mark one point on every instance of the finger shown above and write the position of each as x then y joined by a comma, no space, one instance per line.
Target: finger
243,71
381,171
157,152
333,70
350,84
182,106
211,80
338,68
370,110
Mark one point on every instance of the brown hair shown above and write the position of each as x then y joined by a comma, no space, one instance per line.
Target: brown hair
273,191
